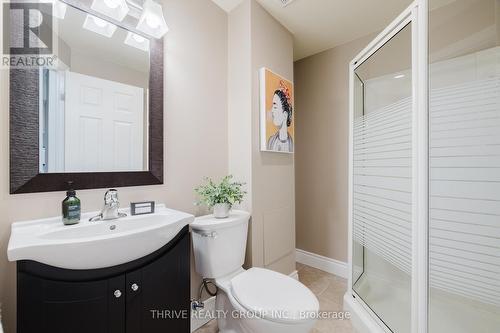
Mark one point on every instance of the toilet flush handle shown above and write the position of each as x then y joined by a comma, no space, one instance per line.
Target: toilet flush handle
212,234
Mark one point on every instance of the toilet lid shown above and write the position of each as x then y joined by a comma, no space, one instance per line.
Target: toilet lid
274,296
210,223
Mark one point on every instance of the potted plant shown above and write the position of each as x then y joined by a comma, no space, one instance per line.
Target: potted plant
221,196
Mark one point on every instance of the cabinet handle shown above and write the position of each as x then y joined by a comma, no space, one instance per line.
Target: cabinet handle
117,293
134,287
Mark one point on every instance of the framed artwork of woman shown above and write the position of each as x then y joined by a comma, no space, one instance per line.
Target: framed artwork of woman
276,113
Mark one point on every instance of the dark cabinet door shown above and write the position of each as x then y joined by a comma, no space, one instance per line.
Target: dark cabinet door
148,295
116,304
158,297
77,307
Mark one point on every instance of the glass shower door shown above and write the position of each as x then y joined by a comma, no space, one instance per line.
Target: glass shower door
382,182
464,147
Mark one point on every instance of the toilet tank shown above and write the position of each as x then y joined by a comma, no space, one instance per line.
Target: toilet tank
220,244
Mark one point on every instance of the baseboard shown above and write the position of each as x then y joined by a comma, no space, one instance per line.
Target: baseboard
203,316
329,265
294,275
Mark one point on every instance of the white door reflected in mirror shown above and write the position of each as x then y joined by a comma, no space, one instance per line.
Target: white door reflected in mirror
94,103
104,129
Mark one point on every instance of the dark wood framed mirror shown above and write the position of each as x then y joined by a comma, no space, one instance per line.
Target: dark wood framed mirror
32,136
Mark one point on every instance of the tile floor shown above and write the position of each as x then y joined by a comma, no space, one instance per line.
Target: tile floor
329,289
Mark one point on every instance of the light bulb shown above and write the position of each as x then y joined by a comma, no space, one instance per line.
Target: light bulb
112,3
100,22
138,39
153,21
59,9
115,9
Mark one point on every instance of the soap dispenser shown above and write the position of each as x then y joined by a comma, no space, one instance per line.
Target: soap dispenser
71,208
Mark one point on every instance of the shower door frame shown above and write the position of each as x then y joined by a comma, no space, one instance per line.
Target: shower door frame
416,15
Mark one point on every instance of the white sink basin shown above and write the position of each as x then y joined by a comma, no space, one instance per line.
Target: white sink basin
92,245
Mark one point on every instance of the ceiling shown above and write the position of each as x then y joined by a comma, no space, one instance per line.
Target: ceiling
318,25
228,5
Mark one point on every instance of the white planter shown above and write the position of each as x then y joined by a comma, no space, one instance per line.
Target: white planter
221,211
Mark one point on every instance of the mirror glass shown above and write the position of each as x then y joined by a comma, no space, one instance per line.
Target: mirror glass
94,102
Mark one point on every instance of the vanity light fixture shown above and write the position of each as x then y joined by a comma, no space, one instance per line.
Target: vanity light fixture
59,9
99,26
115,9
152,21
137,41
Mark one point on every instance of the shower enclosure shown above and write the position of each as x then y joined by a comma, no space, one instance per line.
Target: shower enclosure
424,187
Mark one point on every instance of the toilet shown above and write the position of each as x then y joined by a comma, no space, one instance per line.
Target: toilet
256,300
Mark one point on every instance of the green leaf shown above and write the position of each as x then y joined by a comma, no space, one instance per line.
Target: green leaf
226,191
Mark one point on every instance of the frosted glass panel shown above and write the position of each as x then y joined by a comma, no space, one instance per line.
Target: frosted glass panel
382,183
464,225
382,186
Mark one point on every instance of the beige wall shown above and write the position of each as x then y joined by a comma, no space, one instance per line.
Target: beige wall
195,145
321,158
240,98
273,174
462,27
102,68
257,40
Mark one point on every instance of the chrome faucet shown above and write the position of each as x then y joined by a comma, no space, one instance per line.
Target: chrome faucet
110,209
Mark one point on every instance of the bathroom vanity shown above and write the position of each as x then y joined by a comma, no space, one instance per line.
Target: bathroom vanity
103,276
95,119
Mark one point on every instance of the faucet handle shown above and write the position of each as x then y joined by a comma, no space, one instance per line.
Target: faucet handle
111,197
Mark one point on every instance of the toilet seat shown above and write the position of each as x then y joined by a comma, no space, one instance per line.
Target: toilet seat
273,296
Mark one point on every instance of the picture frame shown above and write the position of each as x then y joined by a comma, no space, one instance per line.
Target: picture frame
277,123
